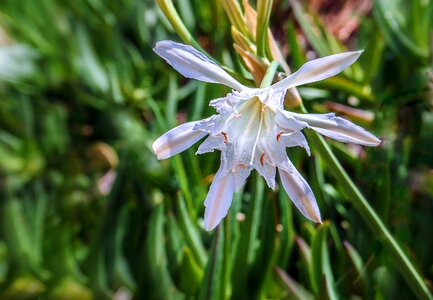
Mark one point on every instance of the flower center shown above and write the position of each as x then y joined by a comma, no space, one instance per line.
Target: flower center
245,129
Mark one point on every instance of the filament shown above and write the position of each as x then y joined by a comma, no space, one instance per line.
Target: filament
258,136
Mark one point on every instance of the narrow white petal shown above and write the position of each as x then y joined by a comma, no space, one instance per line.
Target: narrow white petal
300,193
194,64
177,140
219,199
338,129
319,69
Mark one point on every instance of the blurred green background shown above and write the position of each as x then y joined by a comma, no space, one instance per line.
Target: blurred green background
87,212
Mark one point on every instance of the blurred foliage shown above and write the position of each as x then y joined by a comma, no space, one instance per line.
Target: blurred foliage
87,212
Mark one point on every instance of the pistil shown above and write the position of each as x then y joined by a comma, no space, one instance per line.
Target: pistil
262,111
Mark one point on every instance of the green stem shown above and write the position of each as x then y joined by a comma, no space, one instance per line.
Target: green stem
264,8
190,231
404,265
342,84
226,289
270,74
170,12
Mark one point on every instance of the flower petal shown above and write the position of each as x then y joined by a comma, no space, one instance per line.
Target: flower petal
300,193
266,170
319,69
214,124
177,140
295,139
338,129
191,63
288,122
219,199
211,143
240,177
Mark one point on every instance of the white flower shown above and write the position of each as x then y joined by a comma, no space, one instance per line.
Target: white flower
252,130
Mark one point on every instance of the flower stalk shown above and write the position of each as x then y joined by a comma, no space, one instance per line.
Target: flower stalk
404,265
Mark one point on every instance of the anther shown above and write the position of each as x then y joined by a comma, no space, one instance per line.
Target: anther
262,159
226,137
242,166
279,135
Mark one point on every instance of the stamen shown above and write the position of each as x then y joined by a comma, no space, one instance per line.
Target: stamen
238,167
262,159
226,137
279,135
257,138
